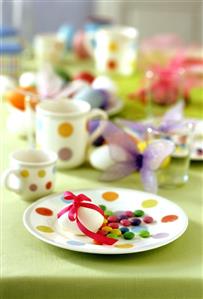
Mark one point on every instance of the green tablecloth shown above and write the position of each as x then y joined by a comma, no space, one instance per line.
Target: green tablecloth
31,269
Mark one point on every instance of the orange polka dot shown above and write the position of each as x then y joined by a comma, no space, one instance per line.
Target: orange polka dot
24,173
113,47
169,218
65,130
124,246
44,211
110,196
48,185
112,64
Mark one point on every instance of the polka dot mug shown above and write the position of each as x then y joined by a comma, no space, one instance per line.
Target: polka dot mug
115,50
31,174
62,126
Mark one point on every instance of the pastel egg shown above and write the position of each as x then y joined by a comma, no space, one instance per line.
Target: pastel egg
100,157
90,218
93,97
103,82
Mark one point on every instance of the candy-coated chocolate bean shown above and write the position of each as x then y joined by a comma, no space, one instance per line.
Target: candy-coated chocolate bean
103,207
135,221
116,232
105,221
111,235
122,216
129,214
128,235
113,218
107,228
144,234
113,225
139,213
108,213
124,230
125,222
148,219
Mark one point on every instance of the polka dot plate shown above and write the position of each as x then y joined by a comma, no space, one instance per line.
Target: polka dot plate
170,221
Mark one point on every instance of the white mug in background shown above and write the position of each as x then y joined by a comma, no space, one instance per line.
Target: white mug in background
31,174
48,48
115,50
61,126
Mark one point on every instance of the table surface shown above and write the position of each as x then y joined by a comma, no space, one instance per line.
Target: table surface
32,269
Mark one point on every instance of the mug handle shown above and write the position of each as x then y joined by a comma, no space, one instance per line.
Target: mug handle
96,114
6,177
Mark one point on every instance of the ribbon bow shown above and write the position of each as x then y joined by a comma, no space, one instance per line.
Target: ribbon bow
82,200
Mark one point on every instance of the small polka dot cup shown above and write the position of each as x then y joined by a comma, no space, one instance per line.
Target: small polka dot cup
115,50
31,174
61,126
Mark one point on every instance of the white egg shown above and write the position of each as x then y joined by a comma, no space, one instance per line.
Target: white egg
90,218
27,79
100,158
103,82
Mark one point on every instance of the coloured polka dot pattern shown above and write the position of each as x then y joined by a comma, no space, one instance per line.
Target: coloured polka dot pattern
44,229
48,185
41,173
24,173
160,235
111,64
110,196
113,46
33,187
137,229
44,211
65,129
76,243
149,203
169,218
125,245
65,154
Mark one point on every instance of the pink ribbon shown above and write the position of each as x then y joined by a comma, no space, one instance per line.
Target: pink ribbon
82,200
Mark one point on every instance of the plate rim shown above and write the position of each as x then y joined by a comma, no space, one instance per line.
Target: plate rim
34,233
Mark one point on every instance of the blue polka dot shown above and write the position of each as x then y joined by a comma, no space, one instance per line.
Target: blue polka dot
137,229
76,243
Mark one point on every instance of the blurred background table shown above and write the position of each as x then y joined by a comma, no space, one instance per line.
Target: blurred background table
32,269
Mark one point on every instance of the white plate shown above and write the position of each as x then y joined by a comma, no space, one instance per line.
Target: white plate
46,229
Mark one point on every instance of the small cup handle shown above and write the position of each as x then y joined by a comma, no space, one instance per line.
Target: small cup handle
6,177
96,114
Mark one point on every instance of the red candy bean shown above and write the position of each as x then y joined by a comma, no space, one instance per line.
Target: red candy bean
113,225
148,219
113,219
129,214
125,222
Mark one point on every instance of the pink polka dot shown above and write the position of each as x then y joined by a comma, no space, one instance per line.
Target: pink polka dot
65,154
33,187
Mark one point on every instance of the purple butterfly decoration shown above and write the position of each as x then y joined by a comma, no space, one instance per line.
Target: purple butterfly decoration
128,158
172,120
